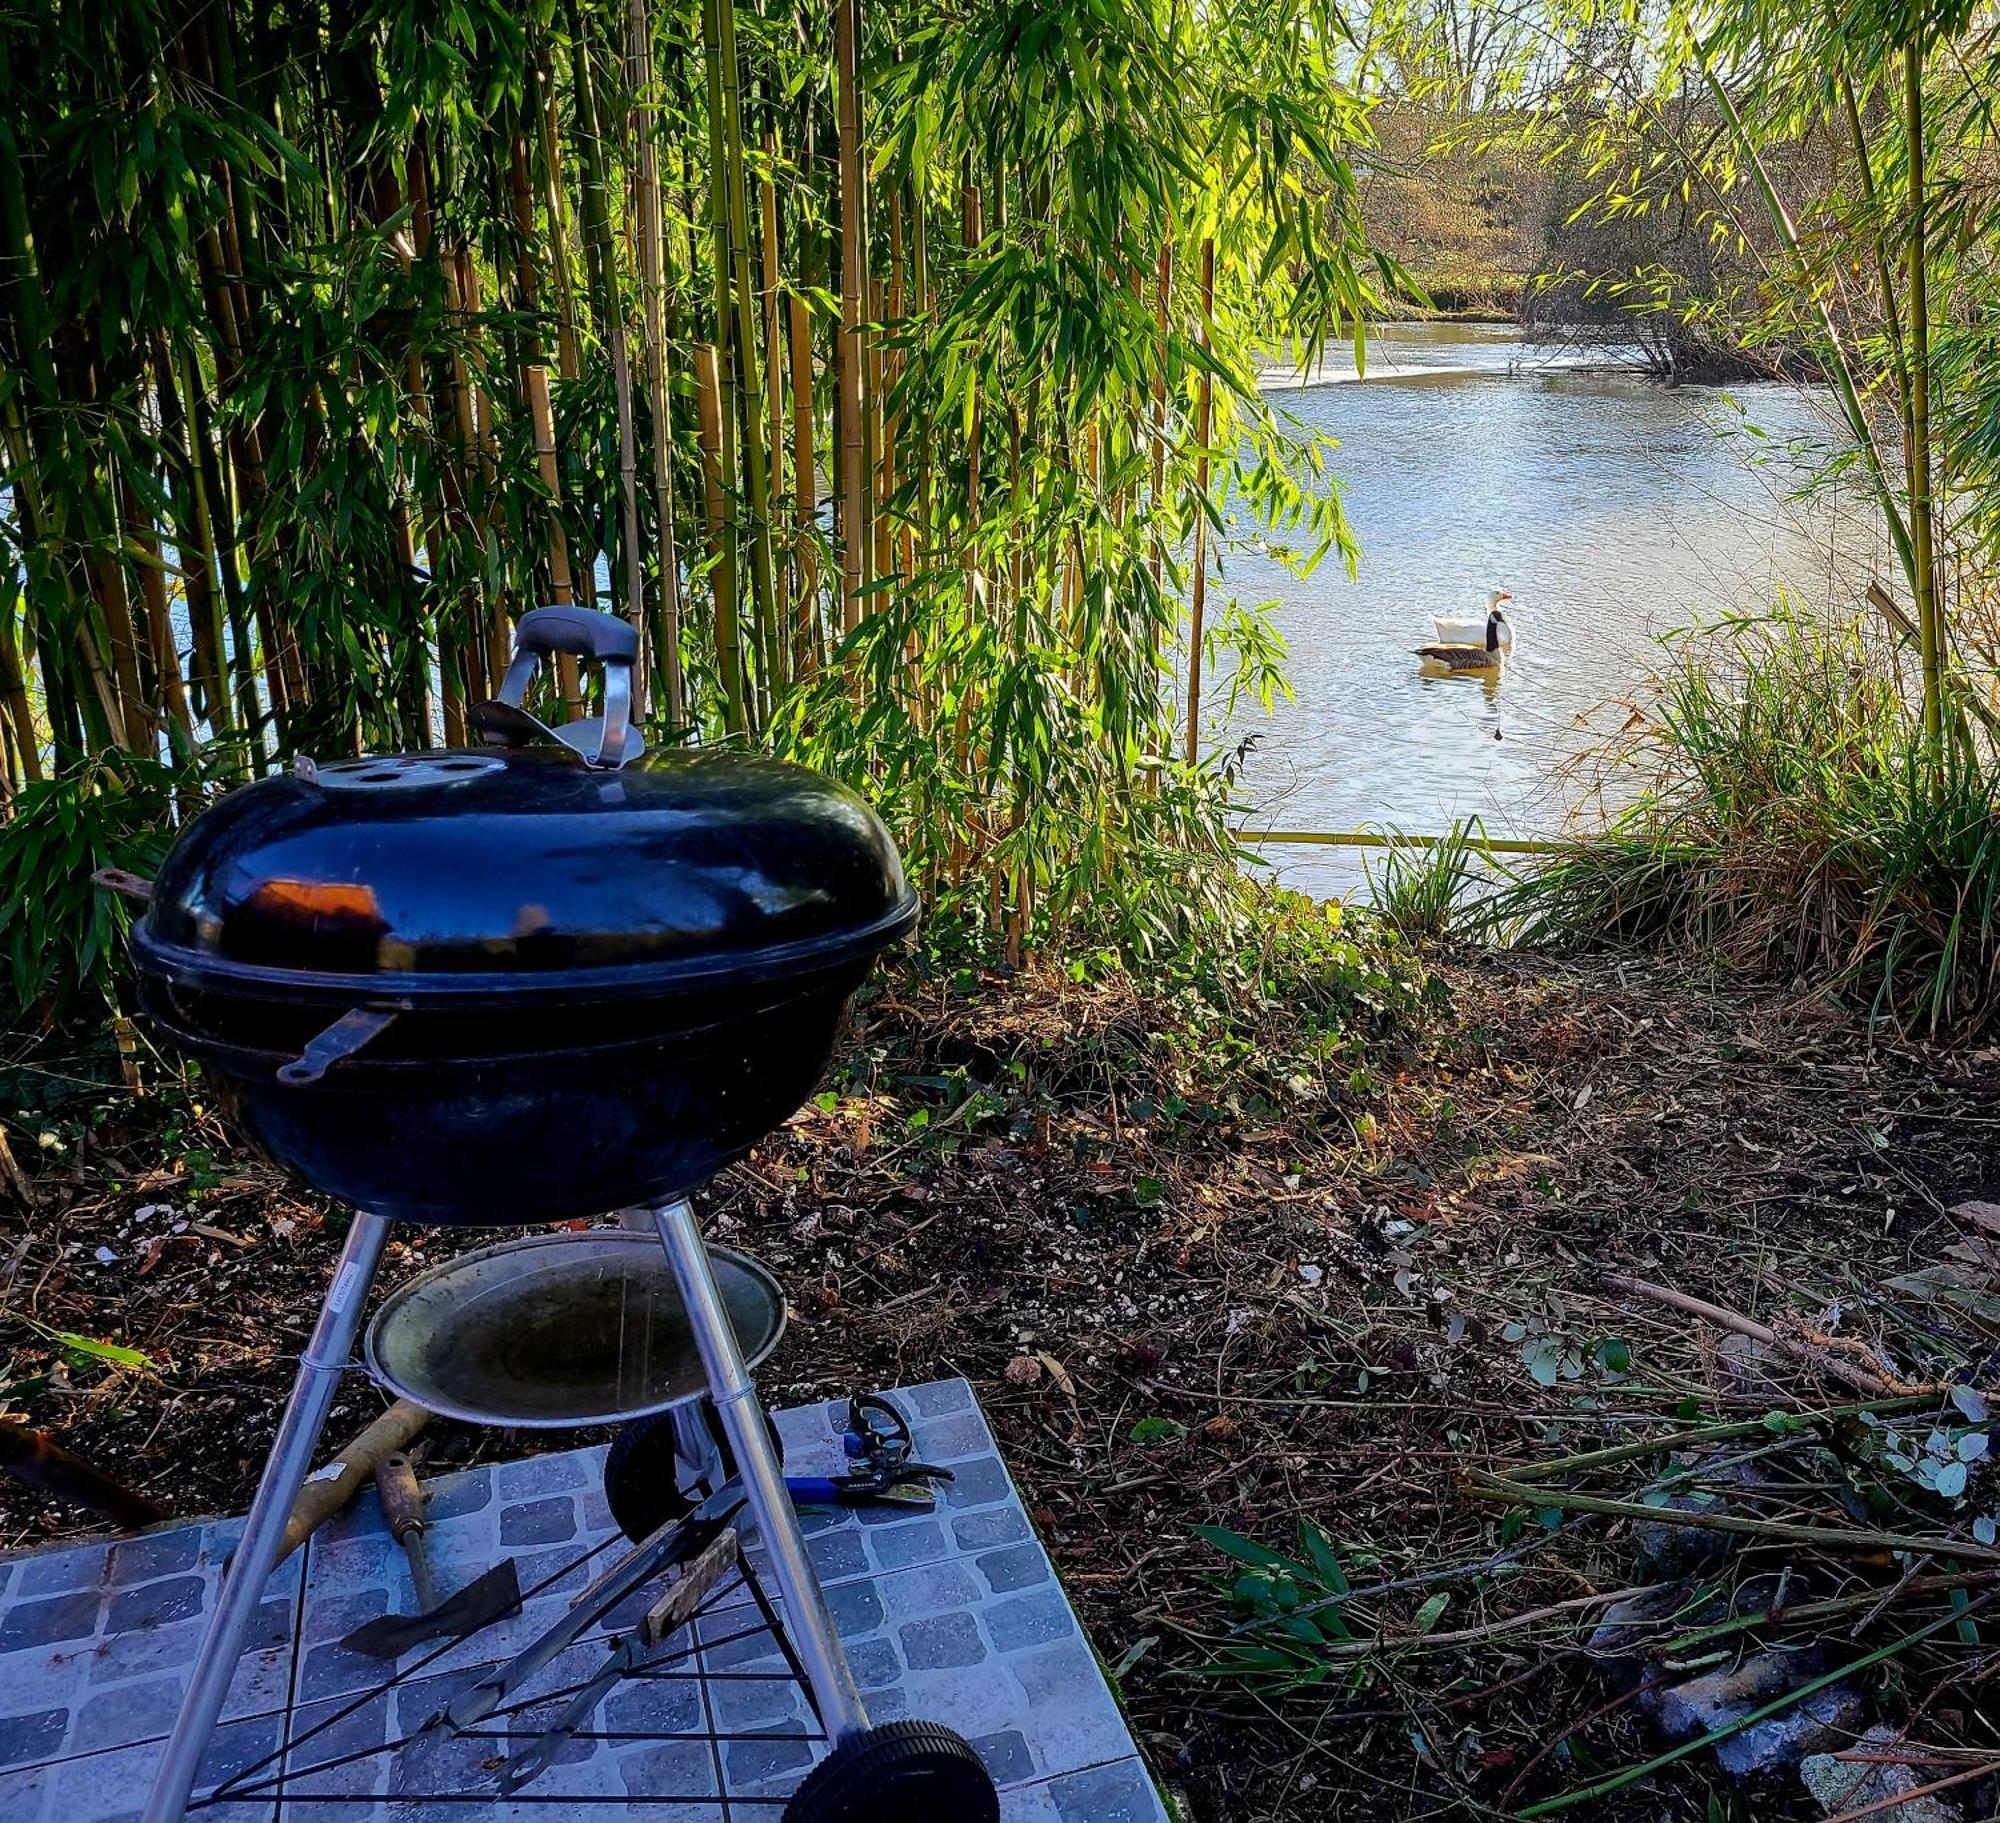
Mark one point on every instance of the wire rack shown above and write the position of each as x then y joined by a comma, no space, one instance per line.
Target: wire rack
276,1778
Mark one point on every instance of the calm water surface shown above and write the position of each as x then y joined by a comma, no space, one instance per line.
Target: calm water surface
1613,508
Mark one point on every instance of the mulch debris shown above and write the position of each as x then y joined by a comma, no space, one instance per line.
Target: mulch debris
1392,1294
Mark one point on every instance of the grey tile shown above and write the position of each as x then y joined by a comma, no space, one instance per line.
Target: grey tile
837,1554
547,1521
151,1554
677,1769
978,1483
931,1588
983,1530
37,1735
454,1496
941,1641
657,1705
750,1764
540,1475
1038,1618
897,1547
49,1621
937,1398
1019,1566
156,1604
856,1607
741,1705
133,1712
1116,1793
875,1663
949,1439
1007,1755
57,1572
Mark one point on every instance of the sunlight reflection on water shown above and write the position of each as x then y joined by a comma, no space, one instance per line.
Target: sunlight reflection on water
1614,509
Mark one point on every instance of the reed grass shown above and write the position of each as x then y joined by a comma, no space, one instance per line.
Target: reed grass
1796,824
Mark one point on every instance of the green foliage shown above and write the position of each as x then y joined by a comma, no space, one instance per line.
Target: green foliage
63,937
1424,892
284,291
1796,825
1291,1607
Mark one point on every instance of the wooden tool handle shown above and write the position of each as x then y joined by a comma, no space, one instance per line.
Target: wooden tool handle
329,1489
402,1498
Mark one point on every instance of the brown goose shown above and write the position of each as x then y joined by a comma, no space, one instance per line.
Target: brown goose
1467,661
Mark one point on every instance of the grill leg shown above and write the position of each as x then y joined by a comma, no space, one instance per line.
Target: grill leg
257,1552
810,1626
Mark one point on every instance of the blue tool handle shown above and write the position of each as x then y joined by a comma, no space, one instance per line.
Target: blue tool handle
814,1490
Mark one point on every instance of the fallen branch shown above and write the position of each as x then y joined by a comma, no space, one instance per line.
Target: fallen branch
1346,1651
1860,1378
1705,1433
1483,1486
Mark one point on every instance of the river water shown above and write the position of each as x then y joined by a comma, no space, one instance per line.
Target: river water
1613,508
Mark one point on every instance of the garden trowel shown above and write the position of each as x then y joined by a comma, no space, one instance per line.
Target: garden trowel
487,1598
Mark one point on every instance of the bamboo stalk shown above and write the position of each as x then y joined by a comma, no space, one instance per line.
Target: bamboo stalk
720,16
854,530
451,515
1203,428
1482,1486
208,675
805,491
568,365
535,397
497,633
114,607
774,402
1924,574
652,273
728,644
158,625
14,697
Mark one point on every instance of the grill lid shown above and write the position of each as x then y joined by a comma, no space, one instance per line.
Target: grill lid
453,876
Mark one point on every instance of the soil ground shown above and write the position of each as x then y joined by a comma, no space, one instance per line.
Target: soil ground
1188,1301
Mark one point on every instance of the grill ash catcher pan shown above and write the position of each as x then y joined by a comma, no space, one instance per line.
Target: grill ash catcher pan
538,981
555,1331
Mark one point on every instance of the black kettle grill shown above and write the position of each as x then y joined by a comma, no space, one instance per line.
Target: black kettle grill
549,978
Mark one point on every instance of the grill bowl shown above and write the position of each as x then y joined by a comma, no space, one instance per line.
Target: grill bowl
605,985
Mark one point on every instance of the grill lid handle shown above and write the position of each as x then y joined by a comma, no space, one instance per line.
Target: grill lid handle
339,1041
583,632
607,740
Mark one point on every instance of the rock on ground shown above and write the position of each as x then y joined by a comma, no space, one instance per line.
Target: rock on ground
1839,1785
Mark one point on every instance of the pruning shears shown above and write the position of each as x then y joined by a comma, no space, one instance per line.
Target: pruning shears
877,1441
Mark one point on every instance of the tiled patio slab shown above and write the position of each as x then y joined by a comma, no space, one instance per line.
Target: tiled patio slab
955,1615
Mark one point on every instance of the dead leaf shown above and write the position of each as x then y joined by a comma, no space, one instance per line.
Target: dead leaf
221,1234
1979,1215
1058,1373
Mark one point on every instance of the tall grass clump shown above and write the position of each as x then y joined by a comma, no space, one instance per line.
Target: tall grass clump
1427,889
1798,821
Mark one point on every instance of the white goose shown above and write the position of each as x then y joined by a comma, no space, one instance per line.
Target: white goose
1452,632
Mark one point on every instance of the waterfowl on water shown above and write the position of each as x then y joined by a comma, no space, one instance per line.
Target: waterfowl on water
1467,660
1452,632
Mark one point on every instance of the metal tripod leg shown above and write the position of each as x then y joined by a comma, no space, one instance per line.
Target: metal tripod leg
320,1368
835,1693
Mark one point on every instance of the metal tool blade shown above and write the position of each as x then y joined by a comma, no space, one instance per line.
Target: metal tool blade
490,1597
